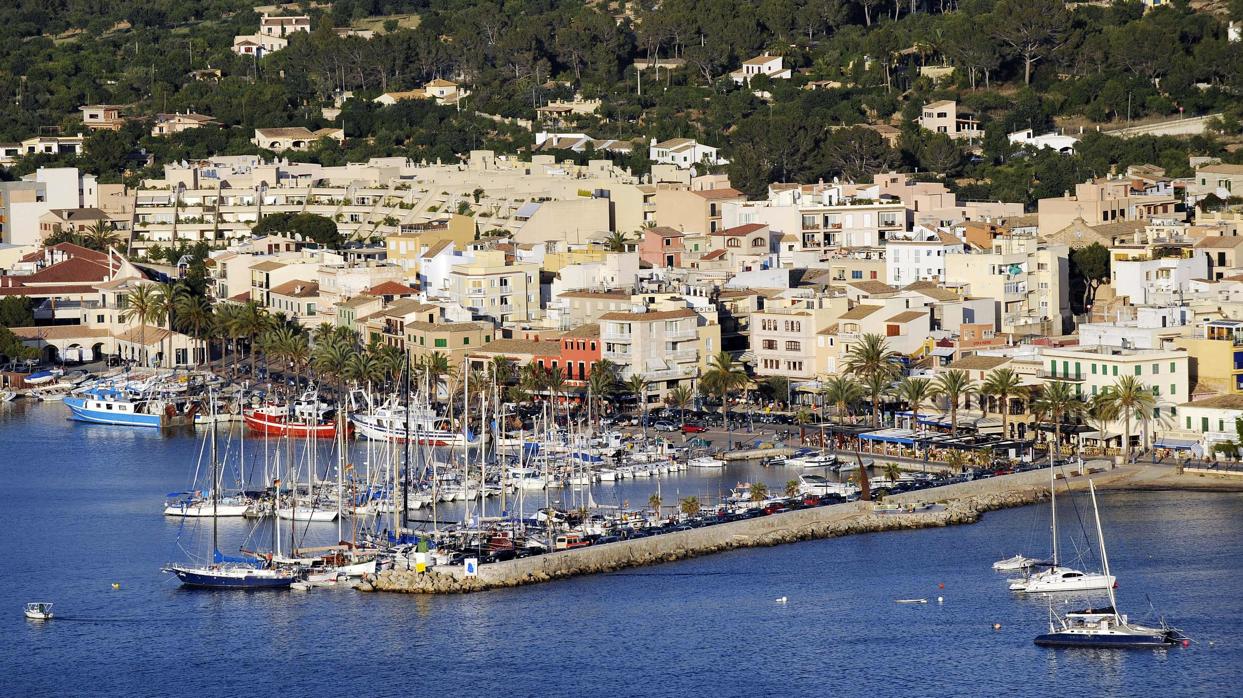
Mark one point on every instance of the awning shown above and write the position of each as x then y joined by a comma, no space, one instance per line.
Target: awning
1177,444
527,210
891,436
943,351
1096,435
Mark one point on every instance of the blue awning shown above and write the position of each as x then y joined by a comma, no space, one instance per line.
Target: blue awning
527,210
1177,444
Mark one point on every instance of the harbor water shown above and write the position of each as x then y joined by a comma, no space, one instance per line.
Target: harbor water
81,508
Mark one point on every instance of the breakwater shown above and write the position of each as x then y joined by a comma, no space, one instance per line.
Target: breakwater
961,503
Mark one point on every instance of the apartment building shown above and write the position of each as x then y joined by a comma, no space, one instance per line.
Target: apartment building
919,258
268,274
783,339
1027,278
25,202
662,247
491,287
824,222
1216,351
1108,200
1141,278
299,300
10,153
694,211
662,346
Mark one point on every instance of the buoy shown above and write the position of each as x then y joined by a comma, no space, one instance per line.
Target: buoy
940,599
781,600
116,585
941,585
1187,643
996,626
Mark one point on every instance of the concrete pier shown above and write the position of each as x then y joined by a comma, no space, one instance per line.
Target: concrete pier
961,503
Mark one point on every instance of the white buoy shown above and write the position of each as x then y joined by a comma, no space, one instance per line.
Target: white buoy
782,600
940,599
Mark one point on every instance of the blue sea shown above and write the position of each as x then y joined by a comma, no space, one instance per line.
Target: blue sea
81,511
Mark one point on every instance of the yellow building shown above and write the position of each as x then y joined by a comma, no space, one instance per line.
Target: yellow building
491,287
403,248
1216,352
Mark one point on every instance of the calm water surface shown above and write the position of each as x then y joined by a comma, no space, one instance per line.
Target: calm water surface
81,507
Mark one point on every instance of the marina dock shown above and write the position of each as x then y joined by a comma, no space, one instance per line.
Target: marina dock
962,503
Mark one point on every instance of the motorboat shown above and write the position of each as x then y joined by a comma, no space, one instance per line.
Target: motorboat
42,377
120,408
8,395
1018,562
1059,579
38,610
706,462
819,486
398,423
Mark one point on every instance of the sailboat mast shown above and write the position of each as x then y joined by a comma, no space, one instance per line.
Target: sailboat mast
340,469
215,490
1053,506
405,482
1100,537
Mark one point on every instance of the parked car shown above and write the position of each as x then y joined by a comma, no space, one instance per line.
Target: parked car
665,426
693,429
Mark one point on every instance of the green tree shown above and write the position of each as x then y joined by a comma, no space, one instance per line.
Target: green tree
723,377
1090,266
309,226
1003,383
140,305
1130,398
954,385
1032,29
857,152
17,311
1057,401
759,492
871,359
680,398
915,392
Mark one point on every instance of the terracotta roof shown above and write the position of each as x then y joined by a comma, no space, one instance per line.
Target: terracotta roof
738,293
859,312
1232,401
269,265
242,297
436,249
907,316
55,332
288,132
726,193
297,289
448,326
761,60
1218,242
977,362
390,288
653,315
931,290
358,301
404,307
713,255
587,331
146,335
741,229
610,295
872,287
46,291
948,239
831,329
523,347
438,82
75,270
665,231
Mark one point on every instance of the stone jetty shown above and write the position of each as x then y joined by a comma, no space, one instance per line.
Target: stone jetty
962,503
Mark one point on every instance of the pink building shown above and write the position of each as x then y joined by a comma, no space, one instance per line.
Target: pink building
662,247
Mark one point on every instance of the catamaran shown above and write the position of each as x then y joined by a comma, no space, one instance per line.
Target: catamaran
1105,627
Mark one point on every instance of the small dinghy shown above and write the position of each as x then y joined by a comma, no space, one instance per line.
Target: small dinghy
911,601
300,586
39,610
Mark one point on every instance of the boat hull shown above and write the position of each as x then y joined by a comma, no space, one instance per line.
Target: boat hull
378,430
254,579
1110,640
81,413
278,426
204,510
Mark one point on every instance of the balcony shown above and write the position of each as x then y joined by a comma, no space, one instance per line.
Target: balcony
682,335
682,355
1072,378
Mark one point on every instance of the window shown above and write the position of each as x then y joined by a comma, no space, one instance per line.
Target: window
465,341
1173,390
733,242
1172,367
1094,373
770,344
440,343
1115,369
856,275
1138,369
794,346
758,242
1156,368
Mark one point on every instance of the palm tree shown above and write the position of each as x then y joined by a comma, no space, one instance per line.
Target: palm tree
435,366
501,368
140,304
792,488
892,472
602,384
956,461
1003,383
690,506
101,236
722,378
167,298
637,384
1101,411
803,417
653,503
876,388
250,320
954,385
617,241
841,392
362,367
681,397
759,492
915,392
1130,398
871,358
227,326
1056,401
194,314
330,359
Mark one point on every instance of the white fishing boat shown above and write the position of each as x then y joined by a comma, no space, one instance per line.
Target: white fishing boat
38,610
393,422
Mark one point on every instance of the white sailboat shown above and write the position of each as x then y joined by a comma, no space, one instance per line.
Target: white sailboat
1058,578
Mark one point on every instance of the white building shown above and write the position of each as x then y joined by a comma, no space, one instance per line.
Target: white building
771,66
24,202
1140,279
1054,141
684,152
921,258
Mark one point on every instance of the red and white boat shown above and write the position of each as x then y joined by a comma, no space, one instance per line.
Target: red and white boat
307,417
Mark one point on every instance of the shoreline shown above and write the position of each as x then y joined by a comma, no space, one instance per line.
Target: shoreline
962,503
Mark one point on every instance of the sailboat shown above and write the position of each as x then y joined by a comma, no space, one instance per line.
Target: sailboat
1058,578
226,572
1105,627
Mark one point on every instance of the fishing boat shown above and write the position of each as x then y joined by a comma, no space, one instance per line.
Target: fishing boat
38,610
394,422
1105,627
277,421
1057,578
118,407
